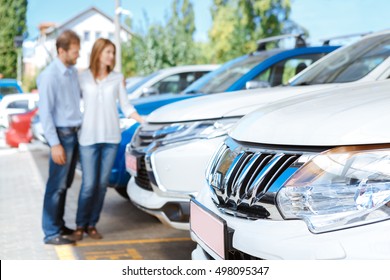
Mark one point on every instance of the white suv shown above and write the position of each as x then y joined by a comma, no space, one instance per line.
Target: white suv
168,155
303,178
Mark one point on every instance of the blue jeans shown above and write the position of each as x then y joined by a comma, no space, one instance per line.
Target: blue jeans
96,163
60,179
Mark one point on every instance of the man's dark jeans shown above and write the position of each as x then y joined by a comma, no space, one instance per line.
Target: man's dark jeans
60,179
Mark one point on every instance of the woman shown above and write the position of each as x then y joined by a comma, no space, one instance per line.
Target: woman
101,88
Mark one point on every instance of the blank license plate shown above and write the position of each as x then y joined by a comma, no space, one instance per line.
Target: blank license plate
131,164
209,228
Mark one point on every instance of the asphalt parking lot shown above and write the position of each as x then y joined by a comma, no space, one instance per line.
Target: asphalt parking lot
128,232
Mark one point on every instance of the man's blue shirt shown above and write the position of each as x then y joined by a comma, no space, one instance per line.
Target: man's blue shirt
59,99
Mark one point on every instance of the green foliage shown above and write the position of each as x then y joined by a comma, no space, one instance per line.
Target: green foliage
164,45
238,24
13,23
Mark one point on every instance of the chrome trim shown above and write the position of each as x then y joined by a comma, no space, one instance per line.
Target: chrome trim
241,178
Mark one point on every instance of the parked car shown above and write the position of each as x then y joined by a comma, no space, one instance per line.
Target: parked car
9,86
132,81
15,104
234,74
169,80
19,130
148,88
168,155
304,178
118,176
261,68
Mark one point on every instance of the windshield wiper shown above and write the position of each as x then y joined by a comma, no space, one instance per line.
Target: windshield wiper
192,91
304,84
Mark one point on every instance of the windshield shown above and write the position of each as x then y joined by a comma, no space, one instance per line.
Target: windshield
349,64
5,90
134,87
220,79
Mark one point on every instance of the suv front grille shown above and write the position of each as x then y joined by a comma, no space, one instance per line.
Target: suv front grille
234,255
142,178
142,138
148,133
245,180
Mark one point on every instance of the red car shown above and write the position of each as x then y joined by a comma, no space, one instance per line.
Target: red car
19,130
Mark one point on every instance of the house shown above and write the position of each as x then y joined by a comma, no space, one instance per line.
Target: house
90,25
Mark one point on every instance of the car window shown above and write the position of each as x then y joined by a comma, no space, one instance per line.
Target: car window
187,79
199,85
168,85
284,70
138,84
222,81
18,104
349,64
177,83
4,90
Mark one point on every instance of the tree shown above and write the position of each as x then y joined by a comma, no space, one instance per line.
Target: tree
13,23
164,45
238,24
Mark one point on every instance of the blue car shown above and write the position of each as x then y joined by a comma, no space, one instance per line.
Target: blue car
9,86
262,68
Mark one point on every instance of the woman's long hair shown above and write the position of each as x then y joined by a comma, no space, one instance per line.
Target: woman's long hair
97,50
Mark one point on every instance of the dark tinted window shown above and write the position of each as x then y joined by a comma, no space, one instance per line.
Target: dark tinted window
349,64
19,104
4,90
177,83
226,78
284,70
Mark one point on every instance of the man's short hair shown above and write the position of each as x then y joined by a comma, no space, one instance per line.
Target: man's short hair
67,38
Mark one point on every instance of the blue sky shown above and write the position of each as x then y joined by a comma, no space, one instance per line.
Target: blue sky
323,18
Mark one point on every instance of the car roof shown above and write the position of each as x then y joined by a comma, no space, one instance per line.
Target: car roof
184,68
18,96
11,82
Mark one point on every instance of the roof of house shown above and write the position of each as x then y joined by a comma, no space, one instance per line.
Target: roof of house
83,13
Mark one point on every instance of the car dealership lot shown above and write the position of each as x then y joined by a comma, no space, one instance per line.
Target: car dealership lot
128,232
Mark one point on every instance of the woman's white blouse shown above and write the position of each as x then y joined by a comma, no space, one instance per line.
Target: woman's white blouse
101,119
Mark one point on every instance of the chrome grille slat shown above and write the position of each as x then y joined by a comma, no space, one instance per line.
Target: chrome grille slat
258,186
246,157
241,181
228,177
287,163
241,178
213,165
265,159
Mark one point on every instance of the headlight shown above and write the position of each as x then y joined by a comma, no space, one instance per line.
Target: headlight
196,130
341,188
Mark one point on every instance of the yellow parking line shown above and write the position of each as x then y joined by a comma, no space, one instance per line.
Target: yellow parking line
139,241
114,255
65,252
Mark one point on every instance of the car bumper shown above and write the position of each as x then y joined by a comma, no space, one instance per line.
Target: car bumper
180,167
266,239
172,211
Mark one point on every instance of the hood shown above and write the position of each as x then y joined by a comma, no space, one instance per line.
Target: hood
349,115
229,104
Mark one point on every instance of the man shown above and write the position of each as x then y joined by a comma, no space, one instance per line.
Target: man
59,111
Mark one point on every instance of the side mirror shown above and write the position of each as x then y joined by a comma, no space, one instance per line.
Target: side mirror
149,91
257,84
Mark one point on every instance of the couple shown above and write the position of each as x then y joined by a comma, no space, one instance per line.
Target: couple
60,89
